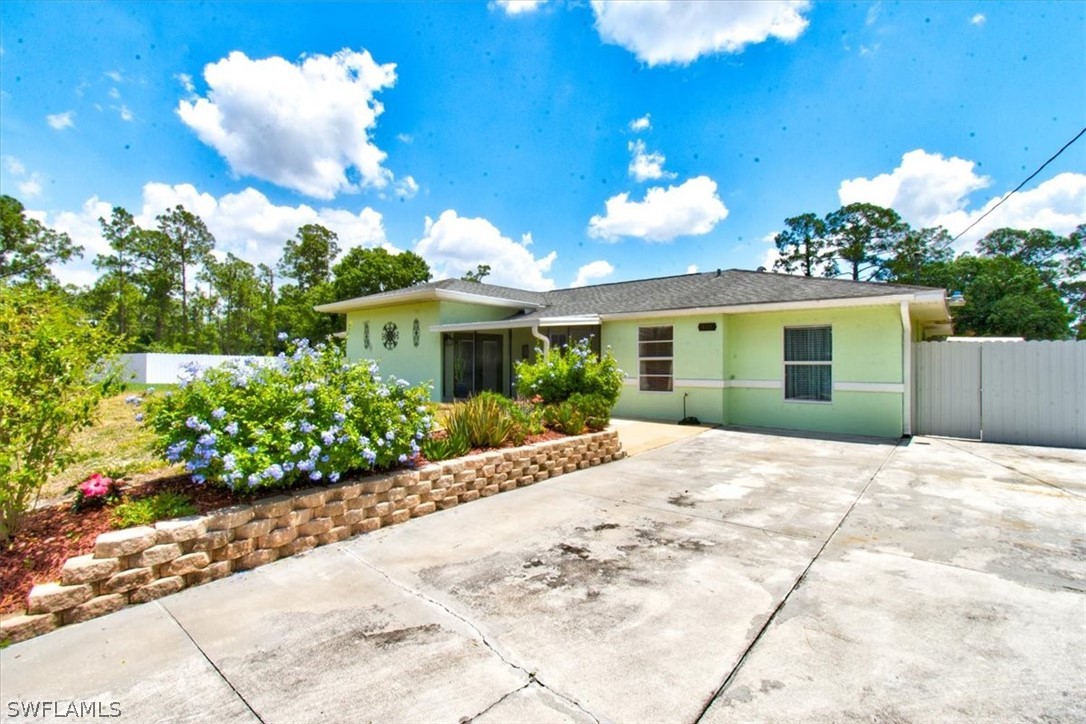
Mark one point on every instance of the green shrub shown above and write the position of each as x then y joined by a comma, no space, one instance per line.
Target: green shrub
307,416
55,367
596,410
563,372
445,447
565,417
527,418
485,420
153,508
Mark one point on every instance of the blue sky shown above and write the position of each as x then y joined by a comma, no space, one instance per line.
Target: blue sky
560,142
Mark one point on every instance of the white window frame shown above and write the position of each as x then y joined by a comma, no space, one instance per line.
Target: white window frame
812,363
641,378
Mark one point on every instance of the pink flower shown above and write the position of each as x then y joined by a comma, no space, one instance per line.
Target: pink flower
95,486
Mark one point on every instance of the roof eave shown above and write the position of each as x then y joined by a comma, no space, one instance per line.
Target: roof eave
766,307
424,295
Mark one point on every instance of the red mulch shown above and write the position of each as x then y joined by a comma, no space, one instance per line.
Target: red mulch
51,535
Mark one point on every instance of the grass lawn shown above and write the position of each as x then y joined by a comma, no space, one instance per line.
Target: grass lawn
116,446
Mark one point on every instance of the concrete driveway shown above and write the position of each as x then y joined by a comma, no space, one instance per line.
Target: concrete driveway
728,576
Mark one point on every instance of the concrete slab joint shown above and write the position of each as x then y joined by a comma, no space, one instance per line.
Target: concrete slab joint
142,564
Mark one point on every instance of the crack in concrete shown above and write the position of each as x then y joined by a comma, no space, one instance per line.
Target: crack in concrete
207,658
1042,481
795,585
532,678
503,697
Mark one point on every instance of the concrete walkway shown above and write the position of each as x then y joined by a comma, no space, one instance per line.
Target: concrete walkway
728,576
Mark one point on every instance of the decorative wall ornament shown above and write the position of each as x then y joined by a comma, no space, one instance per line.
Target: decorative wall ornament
366,335
390,336
415,332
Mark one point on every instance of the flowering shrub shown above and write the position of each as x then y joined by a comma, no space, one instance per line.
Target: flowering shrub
97,490
567,371
309,416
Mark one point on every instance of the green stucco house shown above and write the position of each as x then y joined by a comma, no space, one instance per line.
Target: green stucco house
738,347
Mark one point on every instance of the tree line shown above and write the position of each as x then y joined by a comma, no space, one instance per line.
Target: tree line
1027,283
162,289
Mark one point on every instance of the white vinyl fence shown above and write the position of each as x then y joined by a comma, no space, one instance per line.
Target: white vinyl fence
1028,393
158,369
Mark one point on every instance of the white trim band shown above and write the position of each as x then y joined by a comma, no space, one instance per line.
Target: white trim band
894,387
701,384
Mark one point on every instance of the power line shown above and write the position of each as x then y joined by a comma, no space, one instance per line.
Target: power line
1019,187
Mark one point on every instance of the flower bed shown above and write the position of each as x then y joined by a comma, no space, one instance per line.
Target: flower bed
141,564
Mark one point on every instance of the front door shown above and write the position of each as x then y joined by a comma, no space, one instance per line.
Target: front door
488,363
474,363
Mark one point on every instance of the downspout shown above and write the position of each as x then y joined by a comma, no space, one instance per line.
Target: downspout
545,340
906,371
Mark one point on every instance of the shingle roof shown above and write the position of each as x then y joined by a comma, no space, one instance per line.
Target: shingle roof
709,289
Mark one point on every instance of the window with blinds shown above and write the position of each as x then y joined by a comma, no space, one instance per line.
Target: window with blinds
808,364
654,358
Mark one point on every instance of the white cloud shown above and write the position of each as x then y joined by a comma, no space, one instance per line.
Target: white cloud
305,126
246,224
60,121
14,166
928,189
516,7
126,114
406,188
186,82
454,245
978,19
644,165
31,187
682,31
115,76
114,94
924,187
405,138
592,270
692,208
643,123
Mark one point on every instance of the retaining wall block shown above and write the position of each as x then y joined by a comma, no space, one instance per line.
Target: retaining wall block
330,510
126,581
231,517
273,508
277,538
212,572
155,556
232,551
87,569
211,541
185,564
255,529
256,559
95,607
368,525
300,544
54,597
23,627
158,589
121,543
335,535
180,530
317,526
310,498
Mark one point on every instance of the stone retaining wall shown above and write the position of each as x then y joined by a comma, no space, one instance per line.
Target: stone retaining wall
137,565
